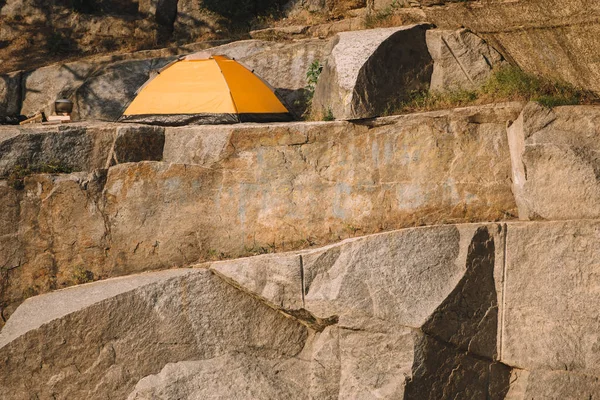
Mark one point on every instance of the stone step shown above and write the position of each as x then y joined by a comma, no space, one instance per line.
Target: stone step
497,309
229,191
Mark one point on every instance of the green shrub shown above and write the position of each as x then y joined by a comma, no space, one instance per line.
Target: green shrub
328,116
81,275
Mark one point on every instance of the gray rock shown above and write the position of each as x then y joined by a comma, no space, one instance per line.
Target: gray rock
461,59
10,94
105,95
78,147
209,329
439,279
232,376
103,340
550,298
556,167
43,86
369,72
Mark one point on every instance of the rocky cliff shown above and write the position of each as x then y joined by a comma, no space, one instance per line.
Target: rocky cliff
450,254
459,307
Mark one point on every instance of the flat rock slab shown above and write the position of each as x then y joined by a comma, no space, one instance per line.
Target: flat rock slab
229,191
119,331
556,162
77,146
39,310
551,296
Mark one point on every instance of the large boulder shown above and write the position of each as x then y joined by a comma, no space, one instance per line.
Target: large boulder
461,60
556,166
549,326
97,341
369,72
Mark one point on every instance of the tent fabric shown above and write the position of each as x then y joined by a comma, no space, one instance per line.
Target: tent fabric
205,90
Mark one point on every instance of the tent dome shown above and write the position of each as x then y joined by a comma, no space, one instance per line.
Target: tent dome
204,89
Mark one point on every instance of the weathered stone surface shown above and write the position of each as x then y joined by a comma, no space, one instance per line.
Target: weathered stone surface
103,348
43,86
539,385
553,38
417,311
254,189
77,146
10,94
370,71
461,59
369,354
228,377
556,167
550,314
105,95
439,279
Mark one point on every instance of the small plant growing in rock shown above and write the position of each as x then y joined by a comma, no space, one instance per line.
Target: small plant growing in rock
328,115
81,275
16,177
312,76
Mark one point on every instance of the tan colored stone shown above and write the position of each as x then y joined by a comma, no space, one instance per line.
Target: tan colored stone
550,314
247,189
556,167
553,38
461,60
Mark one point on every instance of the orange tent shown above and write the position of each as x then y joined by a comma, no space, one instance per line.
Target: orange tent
204,89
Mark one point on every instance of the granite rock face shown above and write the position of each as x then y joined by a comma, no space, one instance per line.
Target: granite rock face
247,189
461,60
369,70
78,147
556,166
220,338
556,39
548,315
422,313
103,346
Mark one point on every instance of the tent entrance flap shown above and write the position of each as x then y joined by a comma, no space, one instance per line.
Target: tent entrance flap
205,91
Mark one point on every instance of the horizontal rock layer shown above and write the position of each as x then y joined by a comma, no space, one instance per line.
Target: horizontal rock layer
422,313
227,191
